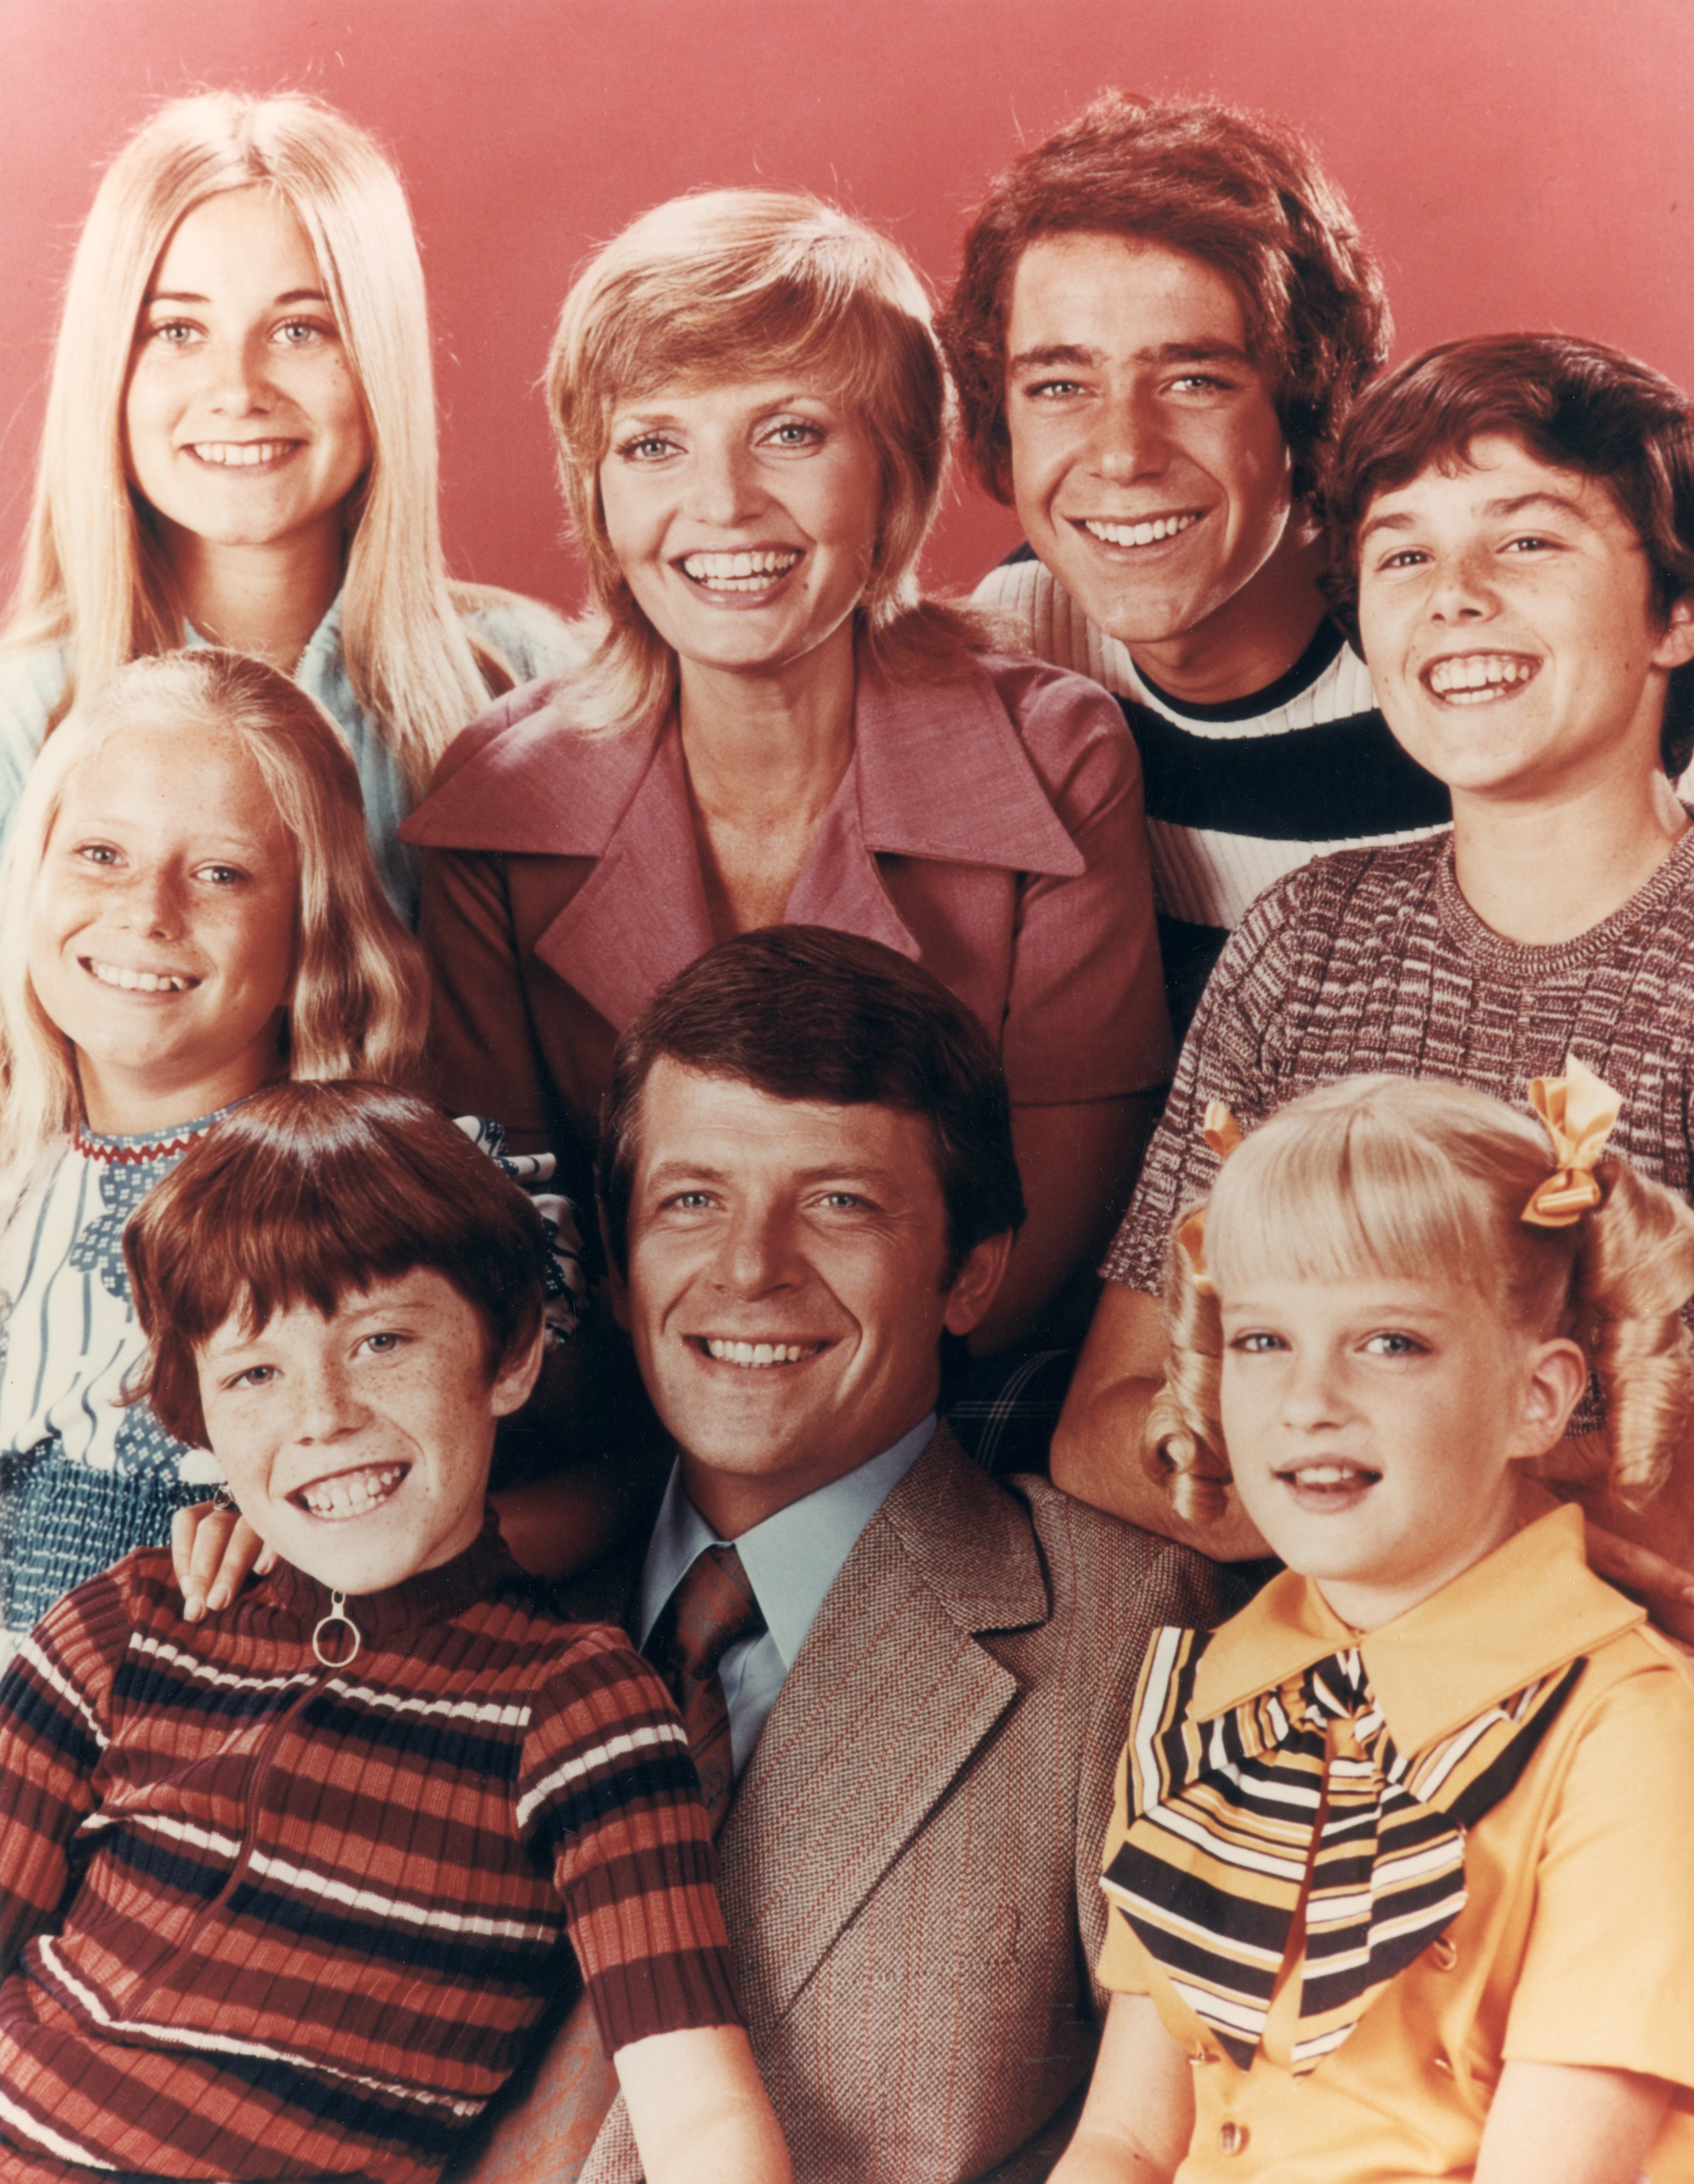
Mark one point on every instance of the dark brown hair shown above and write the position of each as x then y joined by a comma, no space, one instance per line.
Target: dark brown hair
1245,194
309,1191
1575,405
803,1013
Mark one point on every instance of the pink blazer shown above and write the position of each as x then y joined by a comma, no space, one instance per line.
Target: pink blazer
990,828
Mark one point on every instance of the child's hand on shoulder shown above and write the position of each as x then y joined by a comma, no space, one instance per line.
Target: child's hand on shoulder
213,1550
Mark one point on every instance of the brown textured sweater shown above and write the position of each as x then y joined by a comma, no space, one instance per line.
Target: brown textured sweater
1372,960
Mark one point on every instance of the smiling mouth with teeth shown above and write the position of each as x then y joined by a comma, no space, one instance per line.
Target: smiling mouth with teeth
139,981
1327,1481
752,569
758,1354
1149,533
350,1493
241,455
1477,678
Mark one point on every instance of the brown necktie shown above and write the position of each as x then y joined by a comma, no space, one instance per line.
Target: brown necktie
711,1607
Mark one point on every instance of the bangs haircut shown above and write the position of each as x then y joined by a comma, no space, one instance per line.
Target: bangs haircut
733,286
359,1002
1244,194
1394,1177
1423,1180
801,1012
305,1193
1575,405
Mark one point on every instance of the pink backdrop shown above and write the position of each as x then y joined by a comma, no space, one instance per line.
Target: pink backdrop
1520,162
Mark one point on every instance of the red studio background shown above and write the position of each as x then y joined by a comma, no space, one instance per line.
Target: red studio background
1518,163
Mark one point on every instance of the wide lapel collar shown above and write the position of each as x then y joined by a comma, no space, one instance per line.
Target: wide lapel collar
890,1697
943,774
1524,1610
914,743
641,915
521,779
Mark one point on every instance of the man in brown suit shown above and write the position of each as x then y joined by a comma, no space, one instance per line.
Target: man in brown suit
921,1688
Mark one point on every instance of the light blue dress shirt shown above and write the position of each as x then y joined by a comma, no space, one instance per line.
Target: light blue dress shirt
791,1561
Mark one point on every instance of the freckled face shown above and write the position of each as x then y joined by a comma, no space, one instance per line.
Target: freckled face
1148,462
1371,1425
244,423
1507,614
787,1287
162,924
743,518
358,1445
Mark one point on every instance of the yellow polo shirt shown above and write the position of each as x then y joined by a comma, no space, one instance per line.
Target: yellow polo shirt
1576,1944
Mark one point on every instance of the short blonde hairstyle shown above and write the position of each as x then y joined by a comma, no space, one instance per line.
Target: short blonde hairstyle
94,574
1397,1176
751,284
360,995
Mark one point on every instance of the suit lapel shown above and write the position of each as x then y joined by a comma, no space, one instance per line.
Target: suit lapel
890,1697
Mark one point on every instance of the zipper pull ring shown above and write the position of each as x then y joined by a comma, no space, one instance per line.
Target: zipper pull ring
337,1613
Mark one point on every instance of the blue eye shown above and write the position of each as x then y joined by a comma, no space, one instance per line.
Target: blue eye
1392,1343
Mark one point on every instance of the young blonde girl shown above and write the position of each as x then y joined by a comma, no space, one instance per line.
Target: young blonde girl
188,910
240,448
1398,1873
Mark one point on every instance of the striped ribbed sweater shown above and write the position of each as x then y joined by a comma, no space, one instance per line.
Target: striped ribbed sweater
312,1912
1372,960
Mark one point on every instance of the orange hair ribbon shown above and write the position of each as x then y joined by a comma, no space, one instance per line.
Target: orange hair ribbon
1223,1133
1578,1110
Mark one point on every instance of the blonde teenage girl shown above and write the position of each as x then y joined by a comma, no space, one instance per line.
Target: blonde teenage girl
188,910
240,449
1399,1868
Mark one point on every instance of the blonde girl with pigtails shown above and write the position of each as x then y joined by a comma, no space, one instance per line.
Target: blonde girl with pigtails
1398,1869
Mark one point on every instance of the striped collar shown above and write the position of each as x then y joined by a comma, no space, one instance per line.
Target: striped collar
1527,1608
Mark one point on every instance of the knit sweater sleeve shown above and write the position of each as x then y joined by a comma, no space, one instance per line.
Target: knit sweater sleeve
608,1795
55,1718
1227,1055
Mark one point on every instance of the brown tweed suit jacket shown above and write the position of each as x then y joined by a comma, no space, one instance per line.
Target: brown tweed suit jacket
910,1867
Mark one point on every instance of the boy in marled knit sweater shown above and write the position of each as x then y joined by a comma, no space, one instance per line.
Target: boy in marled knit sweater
285,1889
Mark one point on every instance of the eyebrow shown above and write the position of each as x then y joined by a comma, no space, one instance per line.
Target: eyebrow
186,296
1492,511
1030,359
677,1170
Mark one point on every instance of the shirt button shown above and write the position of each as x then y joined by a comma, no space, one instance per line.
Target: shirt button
1231,2138
1443,1954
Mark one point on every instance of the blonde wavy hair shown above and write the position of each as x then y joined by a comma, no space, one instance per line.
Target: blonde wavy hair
1397,1176
743,284
360,997
94,574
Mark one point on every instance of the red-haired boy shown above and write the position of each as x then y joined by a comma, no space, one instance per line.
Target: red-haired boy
287,1888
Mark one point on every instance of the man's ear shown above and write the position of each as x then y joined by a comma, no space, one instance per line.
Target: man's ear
971,1290
1558,1373
514,1380
1675,646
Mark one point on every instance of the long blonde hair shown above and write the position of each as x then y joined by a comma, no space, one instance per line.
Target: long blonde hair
94,574
1397,1176
750,284
361,996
